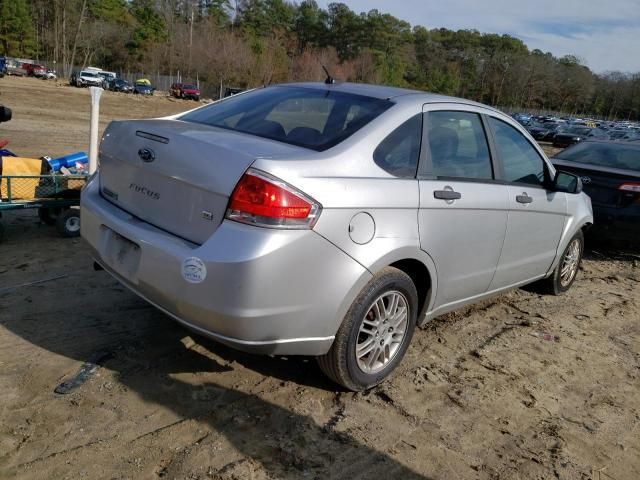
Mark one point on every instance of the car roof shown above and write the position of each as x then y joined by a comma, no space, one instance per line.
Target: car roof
630,144
384,92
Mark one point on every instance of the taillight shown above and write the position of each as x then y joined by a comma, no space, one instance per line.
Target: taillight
630,187
262,200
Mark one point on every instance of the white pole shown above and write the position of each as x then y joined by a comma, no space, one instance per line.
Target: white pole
96,92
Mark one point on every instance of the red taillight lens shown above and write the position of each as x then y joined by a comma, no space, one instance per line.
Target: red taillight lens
263,200
630,187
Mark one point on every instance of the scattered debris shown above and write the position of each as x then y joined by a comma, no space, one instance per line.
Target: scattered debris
86,370
546,336
35,282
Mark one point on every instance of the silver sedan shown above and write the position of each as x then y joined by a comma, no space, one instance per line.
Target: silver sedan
330,219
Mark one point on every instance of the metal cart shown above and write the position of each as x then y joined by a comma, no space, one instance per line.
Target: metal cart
55,197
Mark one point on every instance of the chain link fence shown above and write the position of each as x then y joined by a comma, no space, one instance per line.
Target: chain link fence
20,188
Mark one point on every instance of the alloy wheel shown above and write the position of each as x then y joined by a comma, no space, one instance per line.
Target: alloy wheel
570,263
382,332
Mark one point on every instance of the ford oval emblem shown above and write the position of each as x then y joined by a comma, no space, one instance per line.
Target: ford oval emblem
146,155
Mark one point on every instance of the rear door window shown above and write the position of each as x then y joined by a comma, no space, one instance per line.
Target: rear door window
458,145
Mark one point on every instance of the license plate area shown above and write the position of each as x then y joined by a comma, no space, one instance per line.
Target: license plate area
122,255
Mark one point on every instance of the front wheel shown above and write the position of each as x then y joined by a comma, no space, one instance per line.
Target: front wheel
375,332
566,271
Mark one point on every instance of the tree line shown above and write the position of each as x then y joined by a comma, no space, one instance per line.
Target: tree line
253,42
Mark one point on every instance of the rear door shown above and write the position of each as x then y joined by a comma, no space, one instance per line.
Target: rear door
536,215
462,215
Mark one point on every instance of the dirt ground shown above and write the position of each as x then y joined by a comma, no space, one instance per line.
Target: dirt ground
480,395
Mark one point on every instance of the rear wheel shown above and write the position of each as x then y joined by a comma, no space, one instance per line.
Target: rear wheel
566,271
375,332
68,223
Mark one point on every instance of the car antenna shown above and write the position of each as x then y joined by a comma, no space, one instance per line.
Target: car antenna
329,80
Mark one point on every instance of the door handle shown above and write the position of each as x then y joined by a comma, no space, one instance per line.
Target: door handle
447,195
524,198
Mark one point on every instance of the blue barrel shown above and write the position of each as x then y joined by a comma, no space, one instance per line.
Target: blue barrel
68,161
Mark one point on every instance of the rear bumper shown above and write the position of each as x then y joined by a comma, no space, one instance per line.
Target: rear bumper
617,223
265,291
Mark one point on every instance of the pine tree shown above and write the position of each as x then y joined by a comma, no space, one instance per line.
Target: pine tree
16,29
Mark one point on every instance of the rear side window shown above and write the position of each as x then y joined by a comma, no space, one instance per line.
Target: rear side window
458,145
308,117
398,152
521,162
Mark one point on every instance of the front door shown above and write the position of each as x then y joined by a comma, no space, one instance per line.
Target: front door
536,215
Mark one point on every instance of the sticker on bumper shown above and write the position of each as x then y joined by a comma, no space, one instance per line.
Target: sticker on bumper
194,270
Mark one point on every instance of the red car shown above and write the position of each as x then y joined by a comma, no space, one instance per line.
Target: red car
185,90
37,70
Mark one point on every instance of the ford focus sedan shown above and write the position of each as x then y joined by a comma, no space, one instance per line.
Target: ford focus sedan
330,219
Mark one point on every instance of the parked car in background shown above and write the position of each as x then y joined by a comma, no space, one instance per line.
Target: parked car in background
540,131
230,91
610,173
38,71
120,85
50,75
185,90
313,219
143,87
617,134
522,118
14,67
576,134
88,78
107,77
632,135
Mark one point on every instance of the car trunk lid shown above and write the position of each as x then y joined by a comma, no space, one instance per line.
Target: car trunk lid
602,184
175,175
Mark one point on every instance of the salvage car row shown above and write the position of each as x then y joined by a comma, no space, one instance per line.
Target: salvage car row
566,131
96,77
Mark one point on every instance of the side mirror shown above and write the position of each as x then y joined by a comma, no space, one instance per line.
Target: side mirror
567,182
5,114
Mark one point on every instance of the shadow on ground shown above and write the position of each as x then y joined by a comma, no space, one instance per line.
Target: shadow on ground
149,358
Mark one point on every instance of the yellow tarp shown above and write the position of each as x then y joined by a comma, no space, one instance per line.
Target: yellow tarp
21,188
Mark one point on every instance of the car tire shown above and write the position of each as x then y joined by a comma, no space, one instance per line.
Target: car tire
48,216
372,332
568,266
68,223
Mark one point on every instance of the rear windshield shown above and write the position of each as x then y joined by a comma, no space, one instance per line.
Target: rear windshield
307,117
612,155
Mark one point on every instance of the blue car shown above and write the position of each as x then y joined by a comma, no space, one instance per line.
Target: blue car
143,88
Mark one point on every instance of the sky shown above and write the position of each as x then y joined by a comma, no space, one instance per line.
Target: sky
605,34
